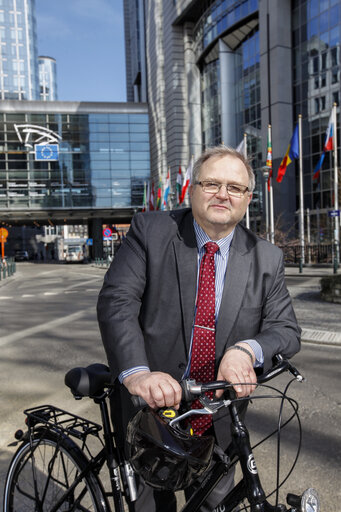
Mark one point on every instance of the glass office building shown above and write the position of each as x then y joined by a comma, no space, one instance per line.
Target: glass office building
47,79
18,51
61,159
316,26
222,68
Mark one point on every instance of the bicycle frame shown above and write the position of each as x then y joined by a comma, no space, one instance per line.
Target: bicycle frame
249,487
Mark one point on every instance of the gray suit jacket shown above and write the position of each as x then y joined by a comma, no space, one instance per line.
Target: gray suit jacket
146,306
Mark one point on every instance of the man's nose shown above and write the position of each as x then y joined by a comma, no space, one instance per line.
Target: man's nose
222,192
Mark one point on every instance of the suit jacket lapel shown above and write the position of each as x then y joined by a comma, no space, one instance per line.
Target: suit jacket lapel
186,254
237,274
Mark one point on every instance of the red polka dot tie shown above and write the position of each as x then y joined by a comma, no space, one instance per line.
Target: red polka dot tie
203,344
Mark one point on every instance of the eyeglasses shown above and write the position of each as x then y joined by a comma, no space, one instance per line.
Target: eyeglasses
211,187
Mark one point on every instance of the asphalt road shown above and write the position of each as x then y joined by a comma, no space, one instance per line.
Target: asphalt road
48,325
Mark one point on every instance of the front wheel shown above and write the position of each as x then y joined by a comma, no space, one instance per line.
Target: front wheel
41,475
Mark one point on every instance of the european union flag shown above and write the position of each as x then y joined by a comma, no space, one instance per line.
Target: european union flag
46,152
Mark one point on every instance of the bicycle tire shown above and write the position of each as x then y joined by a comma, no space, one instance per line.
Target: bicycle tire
38,477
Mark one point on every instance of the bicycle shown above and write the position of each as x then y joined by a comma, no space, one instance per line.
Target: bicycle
54,468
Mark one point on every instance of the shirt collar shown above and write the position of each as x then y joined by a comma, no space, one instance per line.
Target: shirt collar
202,238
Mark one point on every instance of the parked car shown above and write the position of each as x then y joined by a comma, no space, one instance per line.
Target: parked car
74,254
21,256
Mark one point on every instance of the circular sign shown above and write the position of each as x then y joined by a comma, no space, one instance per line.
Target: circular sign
107,232
3,233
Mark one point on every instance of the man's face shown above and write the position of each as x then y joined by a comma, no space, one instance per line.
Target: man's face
219,213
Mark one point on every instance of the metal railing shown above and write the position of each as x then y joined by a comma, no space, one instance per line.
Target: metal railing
314,254
102,262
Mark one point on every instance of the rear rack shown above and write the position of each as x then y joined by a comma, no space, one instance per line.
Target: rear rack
61,421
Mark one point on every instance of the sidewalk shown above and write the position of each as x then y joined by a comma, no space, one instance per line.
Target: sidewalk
320,320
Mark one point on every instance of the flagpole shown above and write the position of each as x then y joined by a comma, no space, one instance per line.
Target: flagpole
247,218
271,196
336,195
301,211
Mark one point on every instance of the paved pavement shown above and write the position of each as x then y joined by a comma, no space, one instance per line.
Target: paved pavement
320,320
321,323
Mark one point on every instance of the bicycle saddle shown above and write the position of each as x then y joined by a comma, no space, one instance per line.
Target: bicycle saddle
89,381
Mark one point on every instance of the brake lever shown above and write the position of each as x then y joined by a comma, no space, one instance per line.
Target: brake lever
209,407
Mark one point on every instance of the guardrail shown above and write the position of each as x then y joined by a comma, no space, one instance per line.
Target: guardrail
314,254
8,268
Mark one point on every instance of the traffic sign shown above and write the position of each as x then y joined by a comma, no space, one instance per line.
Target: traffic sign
107,232
89,241
334,213
3,233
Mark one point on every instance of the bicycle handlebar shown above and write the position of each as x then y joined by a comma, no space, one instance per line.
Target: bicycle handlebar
192,389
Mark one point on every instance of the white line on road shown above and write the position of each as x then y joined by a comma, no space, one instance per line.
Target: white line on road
51,293
44,327
6,298
323,337
27,295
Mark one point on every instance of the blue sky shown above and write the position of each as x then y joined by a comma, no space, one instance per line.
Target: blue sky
86,37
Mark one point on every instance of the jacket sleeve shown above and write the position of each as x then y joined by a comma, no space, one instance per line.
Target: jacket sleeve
279,331
119,303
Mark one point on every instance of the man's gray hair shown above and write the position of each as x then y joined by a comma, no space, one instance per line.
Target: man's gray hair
220,152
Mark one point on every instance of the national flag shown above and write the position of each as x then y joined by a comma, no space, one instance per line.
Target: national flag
166,191
328,146
318,166
159,196
328,143
144,204
269,157
187,180
241,146
178,187
290,155
151,198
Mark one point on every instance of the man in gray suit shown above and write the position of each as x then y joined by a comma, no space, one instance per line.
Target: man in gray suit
146,307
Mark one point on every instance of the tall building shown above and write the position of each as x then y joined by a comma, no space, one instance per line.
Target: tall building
216,69
47,78
18,51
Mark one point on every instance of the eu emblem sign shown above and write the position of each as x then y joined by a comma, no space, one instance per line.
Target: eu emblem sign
46,152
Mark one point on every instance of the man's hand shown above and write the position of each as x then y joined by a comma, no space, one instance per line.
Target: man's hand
158,389
236,367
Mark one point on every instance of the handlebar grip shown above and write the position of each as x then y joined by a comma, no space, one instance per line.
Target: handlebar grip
186,396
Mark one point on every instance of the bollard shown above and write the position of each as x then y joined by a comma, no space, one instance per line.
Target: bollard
335,266
301,266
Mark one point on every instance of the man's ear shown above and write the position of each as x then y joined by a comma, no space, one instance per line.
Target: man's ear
250,198
190,191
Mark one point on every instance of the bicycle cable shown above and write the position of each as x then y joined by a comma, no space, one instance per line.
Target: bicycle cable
294,404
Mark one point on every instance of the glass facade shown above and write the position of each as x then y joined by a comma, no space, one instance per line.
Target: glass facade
219,17
210,98
103,160
47,79
18,50
248,106
249,110
316,87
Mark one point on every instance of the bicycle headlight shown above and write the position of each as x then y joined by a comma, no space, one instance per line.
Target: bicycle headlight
310,501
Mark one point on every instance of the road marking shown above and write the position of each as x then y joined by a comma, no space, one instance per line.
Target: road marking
24,333
323,337
51,293
5,298
27,295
